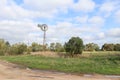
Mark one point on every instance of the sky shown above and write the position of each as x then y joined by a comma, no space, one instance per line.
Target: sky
96,21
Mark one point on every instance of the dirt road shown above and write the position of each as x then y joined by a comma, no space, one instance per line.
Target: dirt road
9,71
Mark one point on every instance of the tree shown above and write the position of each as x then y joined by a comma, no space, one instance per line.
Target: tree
108,47
59,47
117,47
3,47
74,46
36,47
17,49
91,47
52,46
7,43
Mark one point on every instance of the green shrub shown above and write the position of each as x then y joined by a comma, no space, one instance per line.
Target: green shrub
4,46
17,49
36,47
74,46
117,47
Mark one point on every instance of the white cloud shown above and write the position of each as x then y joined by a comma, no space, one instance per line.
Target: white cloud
97,20
3,2
43,5
81,19
108,7
95,36
101,35
18,23
16,31
114,32
48,6
117,16
62,31
10,10
84,5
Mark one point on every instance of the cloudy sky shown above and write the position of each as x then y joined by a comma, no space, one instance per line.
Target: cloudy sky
95,21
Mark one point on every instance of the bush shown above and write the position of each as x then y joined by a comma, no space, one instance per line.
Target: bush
17,49
91,47
117,47
3,47
36,47
108,47
57,47
74,46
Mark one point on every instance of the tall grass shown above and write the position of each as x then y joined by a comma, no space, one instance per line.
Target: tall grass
101,64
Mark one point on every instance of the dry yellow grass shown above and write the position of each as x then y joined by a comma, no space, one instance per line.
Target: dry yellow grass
84,54
45,53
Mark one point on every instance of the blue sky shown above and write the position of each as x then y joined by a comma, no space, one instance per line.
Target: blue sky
95,21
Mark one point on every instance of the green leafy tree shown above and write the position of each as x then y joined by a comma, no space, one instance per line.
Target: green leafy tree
59,47
52,46
36,47
117,47
4,46
91,47
17,49
74,46
108,47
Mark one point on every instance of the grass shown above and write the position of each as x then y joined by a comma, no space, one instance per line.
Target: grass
100,64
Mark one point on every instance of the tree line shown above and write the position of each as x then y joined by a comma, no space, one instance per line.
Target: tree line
74,45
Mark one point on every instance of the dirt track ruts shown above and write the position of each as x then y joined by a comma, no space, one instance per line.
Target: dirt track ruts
9,71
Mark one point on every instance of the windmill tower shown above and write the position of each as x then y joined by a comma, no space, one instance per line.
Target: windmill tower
44,28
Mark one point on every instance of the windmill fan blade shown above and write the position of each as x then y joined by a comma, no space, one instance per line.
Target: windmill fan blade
46,28
43,27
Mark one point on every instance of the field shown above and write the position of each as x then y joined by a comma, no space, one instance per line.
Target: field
88,63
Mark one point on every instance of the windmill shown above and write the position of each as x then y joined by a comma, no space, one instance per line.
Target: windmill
44,28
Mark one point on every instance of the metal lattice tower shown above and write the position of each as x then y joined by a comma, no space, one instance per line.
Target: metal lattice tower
44,28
